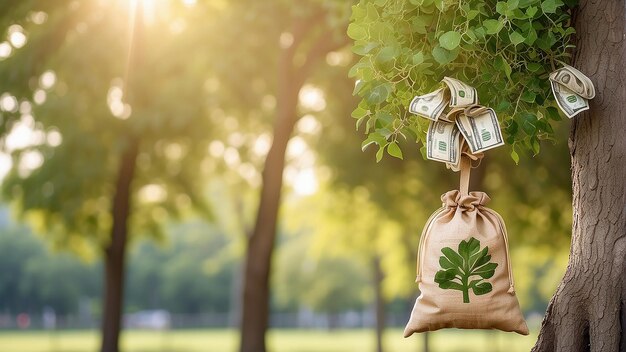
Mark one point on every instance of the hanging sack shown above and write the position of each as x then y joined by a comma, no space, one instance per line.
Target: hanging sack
464,268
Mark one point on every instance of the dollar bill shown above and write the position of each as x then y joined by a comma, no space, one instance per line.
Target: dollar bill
569,102
452,114
575,81
429,105
461,94
443,142
480,129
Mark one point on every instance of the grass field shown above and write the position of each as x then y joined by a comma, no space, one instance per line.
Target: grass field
279,341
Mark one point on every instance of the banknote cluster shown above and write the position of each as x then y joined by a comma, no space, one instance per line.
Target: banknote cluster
572,90
455,112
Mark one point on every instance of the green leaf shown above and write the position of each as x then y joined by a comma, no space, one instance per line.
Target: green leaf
445,275
516,38
471,14
481,259
463,251
481,289
535,145
502,65
515,156
378,94
444,56
486,267
531,36
450,40
533,66
439,4
528,96
359,121
531,11
486,271
474,282
445,263
504,105
359,112
550,6
394,150
358,86
452,256
529,128
357,32
418,58
493,26
553,113
372,13
380,153
478,259
408,133
373,138
364,49
385,119
502,7
451,285
473,245
423,151
513,4
386,54
544,125
419,25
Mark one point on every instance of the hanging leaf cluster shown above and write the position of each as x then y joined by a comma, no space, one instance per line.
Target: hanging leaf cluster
506,49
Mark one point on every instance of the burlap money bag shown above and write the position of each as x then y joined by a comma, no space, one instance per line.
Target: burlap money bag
464,269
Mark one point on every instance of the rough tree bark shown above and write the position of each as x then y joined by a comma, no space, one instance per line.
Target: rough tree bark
587,310
256,293
115,252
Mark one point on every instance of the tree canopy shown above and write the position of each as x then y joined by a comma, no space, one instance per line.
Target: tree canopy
74,85
504,49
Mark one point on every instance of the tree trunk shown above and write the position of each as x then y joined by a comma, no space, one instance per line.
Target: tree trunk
586,313
379,304
115,252
255,310
425,345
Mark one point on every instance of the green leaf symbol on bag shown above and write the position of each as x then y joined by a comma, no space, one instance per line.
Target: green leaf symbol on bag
466,269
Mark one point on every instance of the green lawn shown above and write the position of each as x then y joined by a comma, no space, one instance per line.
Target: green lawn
279,341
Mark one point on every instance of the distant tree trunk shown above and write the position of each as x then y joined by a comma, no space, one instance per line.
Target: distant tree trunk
587,312
379,303
115,252
332,318
234,314
255,310
256,293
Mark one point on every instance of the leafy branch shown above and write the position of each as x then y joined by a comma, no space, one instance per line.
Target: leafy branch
505,49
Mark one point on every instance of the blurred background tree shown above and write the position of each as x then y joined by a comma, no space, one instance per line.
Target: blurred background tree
110,153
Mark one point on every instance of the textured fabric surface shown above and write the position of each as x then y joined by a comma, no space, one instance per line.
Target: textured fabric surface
462,218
